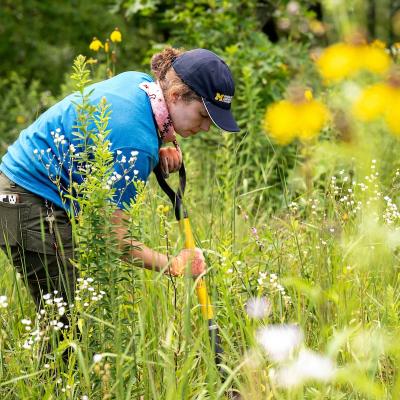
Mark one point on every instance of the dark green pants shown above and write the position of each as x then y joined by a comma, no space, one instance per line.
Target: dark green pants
39,249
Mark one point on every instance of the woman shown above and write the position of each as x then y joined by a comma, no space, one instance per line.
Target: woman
192,90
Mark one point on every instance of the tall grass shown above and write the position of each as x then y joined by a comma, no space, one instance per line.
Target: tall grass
306,297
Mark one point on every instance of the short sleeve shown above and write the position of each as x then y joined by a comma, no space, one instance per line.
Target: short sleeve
130,166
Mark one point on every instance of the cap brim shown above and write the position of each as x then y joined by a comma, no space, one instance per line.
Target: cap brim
222,119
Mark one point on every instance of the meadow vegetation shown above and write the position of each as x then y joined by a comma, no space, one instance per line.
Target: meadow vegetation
297,216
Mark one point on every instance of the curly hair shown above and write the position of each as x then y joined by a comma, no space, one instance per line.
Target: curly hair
161,67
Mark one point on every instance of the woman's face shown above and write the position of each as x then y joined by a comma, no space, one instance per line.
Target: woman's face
188,118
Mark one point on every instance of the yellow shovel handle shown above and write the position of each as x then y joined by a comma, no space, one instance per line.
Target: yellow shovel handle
201,287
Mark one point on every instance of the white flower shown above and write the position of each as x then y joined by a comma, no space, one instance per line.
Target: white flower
279,341
97,358
58,130
3,302
61,311
84,397
135,171
308,366
258,307
134,153
119,152
35,151
26,321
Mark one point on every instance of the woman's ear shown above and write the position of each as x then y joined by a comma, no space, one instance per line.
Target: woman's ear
173,96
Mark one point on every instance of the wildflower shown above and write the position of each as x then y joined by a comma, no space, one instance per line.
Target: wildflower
20,119
95,45
380,100
317,27
97,358
342,60
116,35
301,117
3,302
258,307
293,7
308,366
107,46
279,341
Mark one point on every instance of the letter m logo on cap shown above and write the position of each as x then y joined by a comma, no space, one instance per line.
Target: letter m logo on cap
223,97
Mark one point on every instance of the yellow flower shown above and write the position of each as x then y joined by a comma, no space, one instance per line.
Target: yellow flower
392,115
162,209
116,36
286,120
342,60
20,119
107,46
338,61
372,102
91,61
95,45
312,116
379,44
375,59
280,122
308,94
380,100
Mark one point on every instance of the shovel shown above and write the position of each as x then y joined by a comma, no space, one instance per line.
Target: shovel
207,309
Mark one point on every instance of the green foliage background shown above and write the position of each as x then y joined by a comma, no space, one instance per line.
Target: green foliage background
337,268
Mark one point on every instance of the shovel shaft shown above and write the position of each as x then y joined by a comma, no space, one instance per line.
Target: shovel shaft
201,287
203,297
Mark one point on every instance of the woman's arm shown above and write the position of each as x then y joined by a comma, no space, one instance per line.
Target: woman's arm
154,260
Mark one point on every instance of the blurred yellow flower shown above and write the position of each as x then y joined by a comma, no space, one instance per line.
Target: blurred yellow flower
392,114
372,102
95,45
378,43
20,119
308,94
342,60
313,115
161,209
374,59
286,120
381,100
116,35
107,46
338,62
281,121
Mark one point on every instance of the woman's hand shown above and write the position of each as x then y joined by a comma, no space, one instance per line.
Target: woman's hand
193,256
170,159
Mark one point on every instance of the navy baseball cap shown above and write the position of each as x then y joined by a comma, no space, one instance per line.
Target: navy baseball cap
210,78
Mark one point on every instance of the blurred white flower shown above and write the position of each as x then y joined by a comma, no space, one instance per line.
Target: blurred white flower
279,341
258,307
308,366
3,302
97,358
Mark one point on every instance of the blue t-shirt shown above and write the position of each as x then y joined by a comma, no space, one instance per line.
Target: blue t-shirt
41,155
